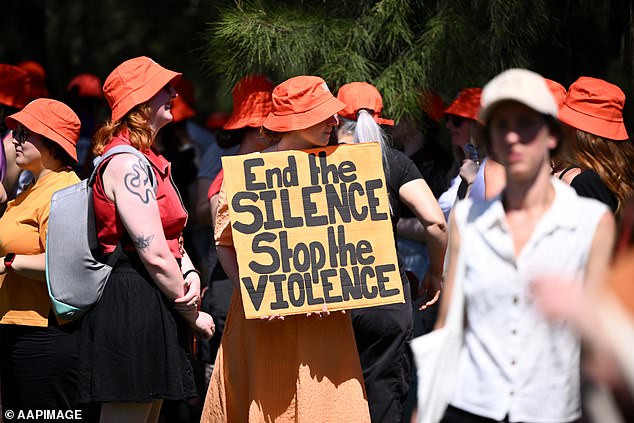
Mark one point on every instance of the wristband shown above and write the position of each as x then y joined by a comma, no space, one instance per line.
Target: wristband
191,271
8,262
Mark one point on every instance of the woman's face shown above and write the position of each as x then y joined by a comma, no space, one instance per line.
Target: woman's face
521,139
460,129
317,135
29,149
160,107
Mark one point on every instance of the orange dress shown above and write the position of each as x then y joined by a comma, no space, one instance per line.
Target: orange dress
301,369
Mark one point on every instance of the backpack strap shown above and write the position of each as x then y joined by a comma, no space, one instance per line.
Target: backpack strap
123,149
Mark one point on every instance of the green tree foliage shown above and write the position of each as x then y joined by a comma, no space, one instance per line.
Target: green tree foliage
405,46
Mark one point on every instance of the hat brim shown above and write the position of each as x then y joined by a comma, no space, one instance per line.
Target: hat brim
382,121
35,125
303,120
613,130
145,93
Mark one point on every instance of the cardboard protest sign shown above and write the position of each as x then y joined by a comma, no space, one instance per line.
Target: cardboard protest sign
311,228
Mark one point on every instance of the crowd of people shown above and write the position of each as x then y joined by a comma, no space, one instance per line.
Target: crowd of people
530,205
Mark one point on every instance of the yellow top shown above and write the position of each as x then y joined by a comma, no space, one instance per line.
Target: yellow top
24,301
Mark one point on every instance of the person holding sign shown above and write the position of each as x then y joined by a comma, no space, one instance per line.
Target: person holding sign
133,346
514,364
286,368
382,332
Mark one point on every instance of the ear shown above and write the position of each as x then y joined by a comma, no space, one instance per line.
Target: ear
553,141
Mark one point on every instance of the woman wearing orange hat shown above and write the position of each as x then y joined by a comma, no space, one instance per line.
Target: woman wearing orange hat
382,332
514,365
38,355
480,177
599,143
298,369
132,350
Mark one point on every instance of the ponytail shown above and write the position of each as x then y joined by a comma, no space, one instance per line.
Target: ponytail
368,130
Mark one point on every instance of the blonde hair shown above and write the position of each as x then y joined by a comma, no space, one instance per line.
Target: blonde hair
136,121
611,160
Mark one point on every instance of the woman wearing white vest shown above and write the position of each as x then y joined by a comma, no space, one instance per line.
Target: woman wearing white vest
515,366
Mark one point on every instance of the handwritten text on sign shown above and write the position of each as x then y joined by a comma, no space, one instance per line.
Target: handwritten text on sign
312,228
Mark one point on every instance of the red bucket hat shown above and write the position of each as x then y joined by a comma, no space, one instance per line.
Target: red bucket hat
51,119
301,102
38,78
183,104
252,102
134,82
557,90
15,85
595,106
87,85
216,120
432,105
466,104
361,95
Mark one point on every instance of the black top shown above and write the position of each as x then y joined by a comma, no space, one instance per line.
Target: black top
589,184
400,170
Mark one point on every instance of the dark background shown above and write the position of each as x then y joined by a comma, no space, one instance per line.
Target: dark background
582,37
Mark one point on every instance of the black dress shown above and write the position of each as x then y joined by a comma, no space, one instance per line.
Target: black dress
133,345
382,333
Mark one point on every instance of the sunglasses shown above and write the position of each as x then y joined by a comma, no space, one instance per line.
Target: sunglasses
455,120
21,134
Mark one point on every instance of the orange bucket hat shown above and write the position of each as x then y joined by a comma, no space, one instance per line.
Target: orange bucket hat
301,102
15,85
134,82
252,102
87,85
595,106
183,104
51,119
466,104
361,95
557,90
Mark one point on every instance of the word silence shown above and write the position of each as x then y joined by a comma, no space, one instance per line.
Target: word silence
312,228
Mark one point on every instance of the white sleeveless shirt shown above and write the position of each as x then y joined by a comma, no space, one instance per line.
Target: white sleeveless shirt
514,362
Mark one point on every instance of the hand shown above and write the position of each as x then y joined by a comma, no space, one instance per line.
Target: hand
324,312
272,318
191,298
557,299
469,170
204,326
429,290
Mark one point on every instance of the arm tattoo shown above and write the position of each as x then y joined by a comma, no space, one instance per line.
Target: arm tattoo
143,242
138,183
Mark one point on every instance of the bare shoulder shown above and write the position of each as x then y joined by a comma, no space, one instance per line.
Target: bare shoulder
127,174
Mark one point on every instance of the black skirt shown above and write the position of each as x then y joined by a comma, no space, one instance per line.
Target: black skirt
133,345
